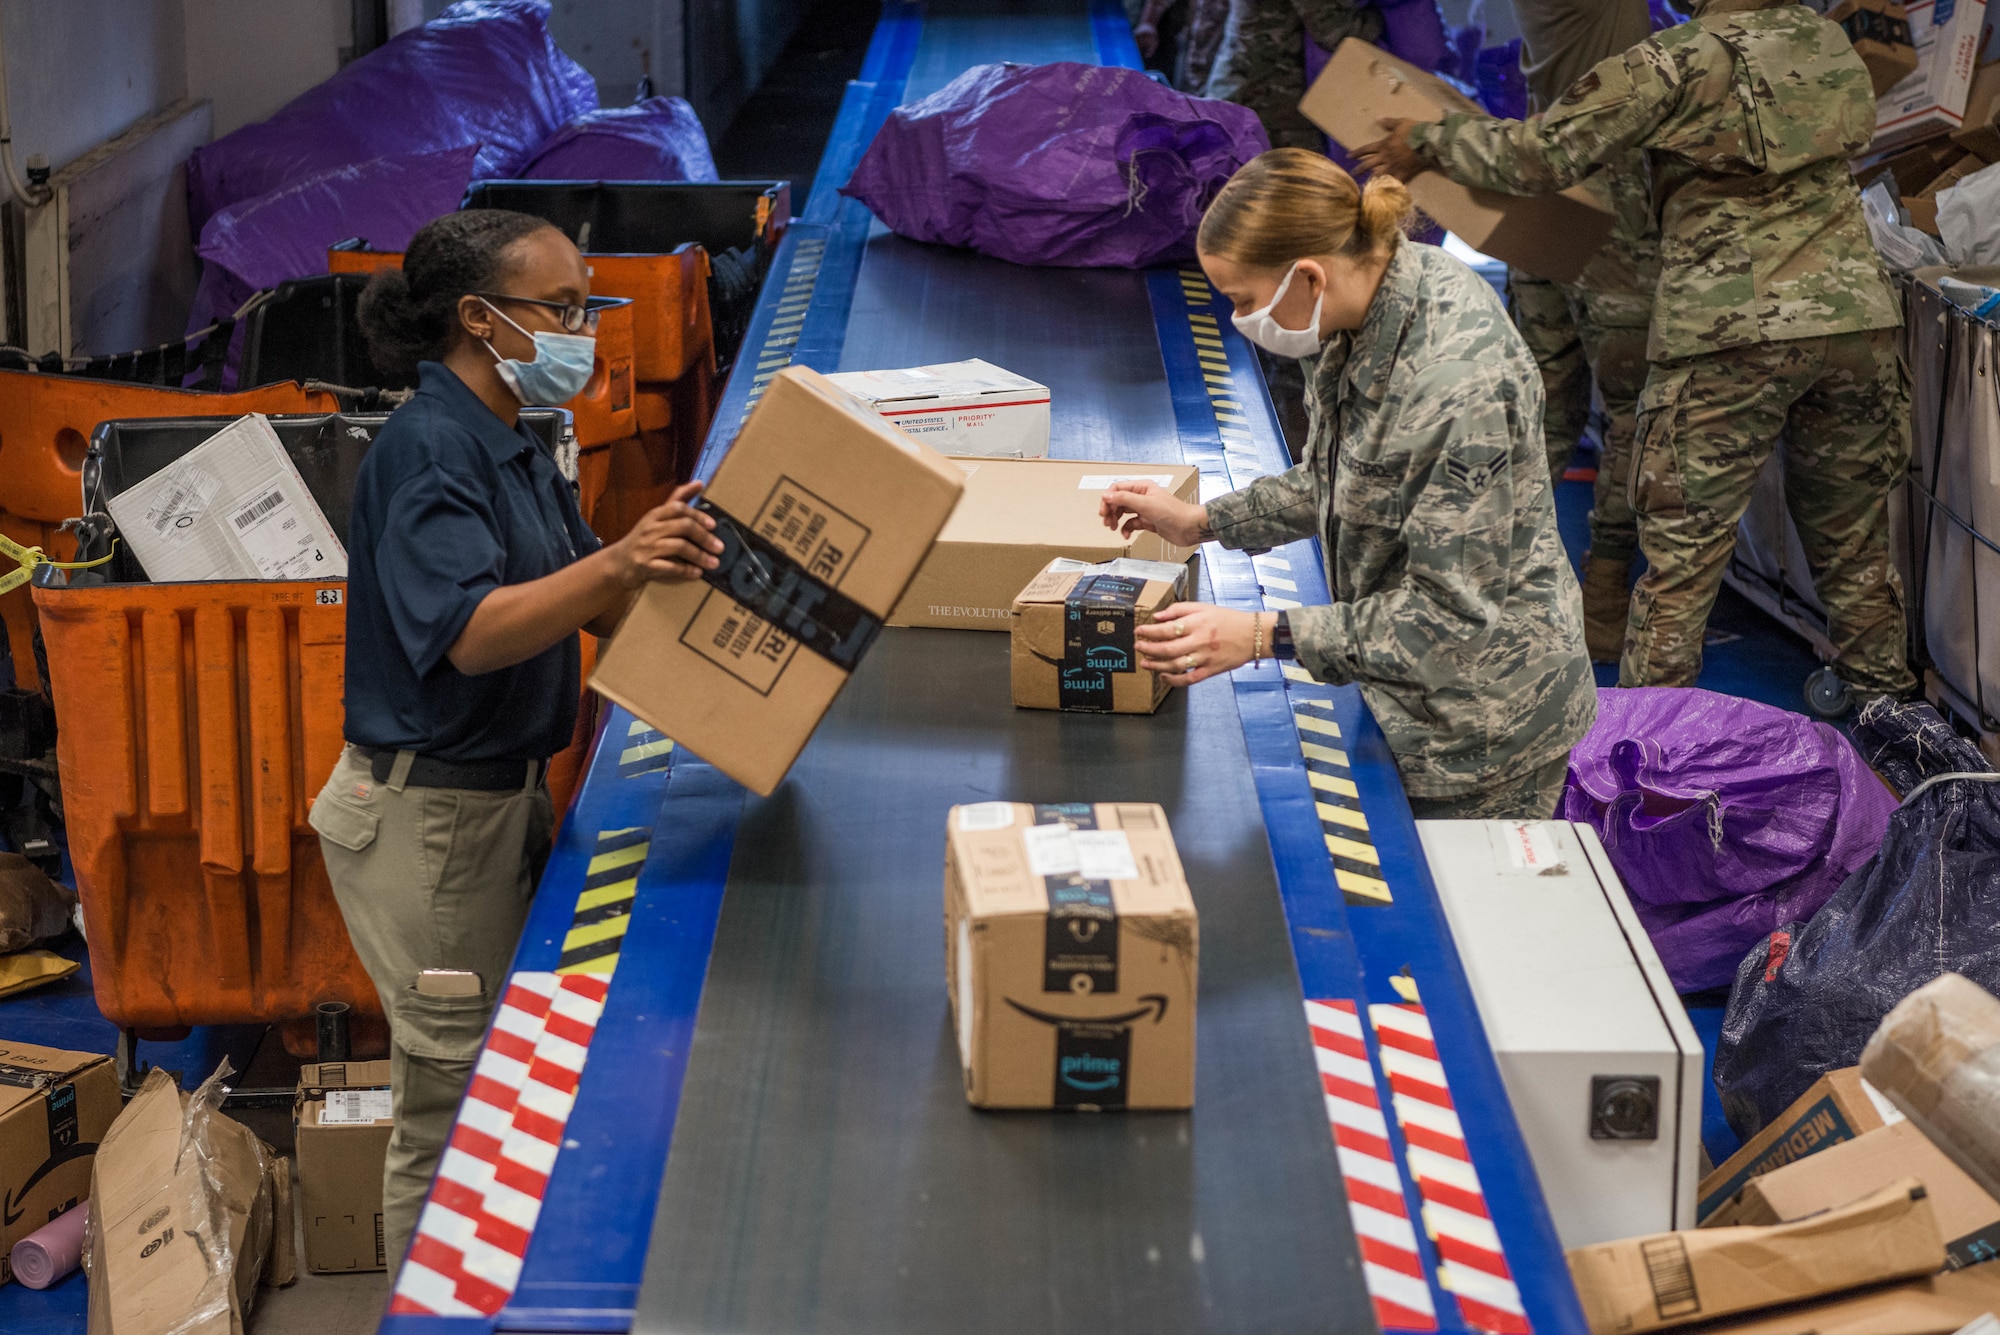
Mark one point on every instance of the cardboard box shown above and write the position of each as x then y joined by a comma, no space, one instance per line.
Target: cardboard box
234,507
1980,134
1916,167
1964,166
1071,953
1550,236
1017,515
1880,32
1838,1107
970,407
827,511
1937,1056
158,1212
1931,101
1938,1305
1968,1218
1670,1279
342,1120
1073,645
1923,215
55,1107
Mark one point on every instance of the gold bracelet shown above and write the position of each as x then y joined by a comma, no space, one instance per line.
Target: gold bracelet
1257,636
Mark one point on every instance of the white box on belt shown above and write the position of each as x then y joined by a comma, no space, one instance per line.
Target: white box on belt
234,507
1931,101
970,407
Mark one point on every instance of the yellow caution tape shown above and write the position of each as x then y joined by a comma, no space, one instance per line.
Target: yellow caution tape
27,558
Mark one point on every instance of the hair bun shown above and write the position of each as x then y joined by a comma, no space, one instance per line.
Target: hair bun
1386,210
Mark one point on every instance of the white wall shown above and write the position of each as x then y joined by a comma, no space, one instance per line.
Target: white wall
81,71
618,40
250,57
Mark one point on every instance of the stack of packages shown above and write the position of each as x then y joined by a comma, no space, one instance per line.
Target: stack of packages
1871,1206
1937,126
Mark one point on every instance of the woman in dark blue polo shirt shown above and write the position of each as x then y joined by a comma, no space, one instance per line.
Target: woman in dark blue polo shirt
470,573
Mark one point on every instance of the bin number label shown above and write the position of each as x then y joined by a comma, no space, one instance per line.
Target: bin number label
328,597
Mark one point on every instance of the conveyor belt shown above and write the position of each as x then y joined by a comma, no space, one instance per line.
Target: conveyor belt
769,1134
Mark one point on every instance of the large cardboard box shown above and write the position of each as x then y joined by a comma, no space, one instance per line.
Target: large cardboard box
971,407
1073,644
1837,1108
1939,1304
1880,32
1016,516
826,511
1071,954
1968,1218
181,1218
1671,1279
1931,101
55,1107
1550,236
342,1119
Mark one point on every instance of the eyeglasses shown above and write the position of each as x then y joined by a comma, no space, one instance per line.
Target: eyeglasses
574,319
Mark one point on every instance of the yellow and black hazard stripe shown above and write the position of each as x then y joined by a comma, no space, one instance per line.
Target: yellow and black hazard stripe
646,751
1357,868
604,907
781,340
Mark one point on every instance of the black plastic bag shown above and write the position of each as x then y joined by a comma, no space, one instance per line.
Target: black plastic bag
1807,998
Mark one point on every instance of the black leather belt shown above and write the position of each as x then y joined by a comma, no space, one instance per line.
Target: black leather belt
488,776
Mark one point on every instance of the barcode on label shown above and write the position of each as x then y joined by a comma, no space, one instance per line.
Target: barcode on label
258,509
1671,1276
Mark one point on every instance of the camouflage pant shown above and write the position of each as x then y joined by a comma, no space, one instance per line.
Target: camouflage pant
1706,426
1262,61
1206,21
1573,350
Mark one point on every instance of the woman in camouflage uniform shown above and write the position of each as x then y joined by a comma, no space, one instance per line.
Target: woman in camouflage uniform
1425,480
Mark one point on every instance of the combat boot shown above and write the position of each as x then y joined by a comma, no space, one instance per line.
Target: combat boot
1607,597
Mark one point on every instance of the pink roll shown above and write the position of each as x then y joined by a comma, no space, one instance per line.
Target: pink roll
51,1251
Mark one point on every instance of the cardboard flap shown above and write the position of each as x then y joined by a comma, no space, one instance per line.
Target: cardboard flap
26,1071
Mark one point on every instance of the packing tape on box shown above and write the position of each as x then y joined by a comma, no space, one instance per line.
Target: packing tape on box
1080,944
1098,616
771,585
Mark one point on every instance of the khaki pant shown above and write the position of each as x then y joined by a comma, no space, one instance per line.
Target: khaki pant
429,878
1532,796
1706,426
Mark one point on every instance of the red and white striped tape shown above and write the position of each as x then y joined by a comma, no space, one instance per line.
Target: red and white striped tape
1472,1265
465,1258
1390,1264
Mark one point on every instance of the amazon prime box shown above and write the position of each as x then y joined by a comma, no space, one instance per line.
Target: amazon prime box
54,1108
1071,952
1073,642
825,512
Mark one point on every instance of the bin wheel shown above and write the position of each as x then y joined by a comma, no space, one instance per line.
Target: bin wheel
1827,696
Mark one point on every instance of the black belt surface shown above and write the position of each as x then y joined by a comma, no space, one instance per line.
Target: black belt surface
826,1174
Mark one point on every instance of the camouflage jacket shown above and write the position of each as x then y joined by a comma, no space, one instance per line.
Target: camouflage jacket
1747,116
1425,480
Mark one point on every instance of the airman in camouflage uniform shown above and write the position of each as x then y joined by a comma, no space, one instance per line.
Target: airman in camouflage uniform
1426,481
1262,61
1595,328
1772,313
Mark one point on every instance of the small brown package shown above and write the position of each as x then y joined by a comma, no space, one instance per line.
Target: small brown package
1838,1107
1880,33
1071,956
55,1107
1670,1279
1073,644
341,1117
1936,1056
1550,236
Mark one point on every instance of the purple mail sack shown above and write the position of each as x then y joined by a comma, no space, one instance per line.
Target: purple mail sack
1064,165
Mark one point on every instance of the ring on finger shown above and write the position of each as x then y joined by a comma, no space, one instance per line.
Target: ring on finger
1190,662
1180,629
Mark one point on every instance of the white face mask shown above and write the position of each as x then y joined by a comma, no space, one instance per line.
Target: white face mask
1262,328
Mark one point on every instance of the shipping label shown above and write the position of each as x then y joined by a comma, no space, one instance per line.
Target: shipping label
1080,934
